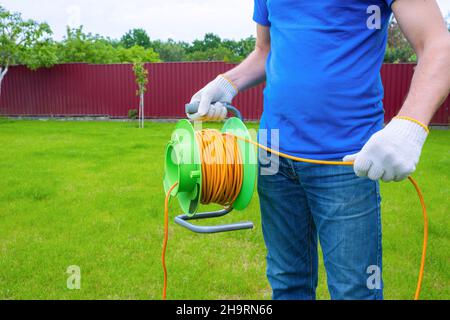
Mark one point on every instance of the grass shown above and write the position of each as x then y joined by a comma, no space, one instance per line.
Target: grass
90,194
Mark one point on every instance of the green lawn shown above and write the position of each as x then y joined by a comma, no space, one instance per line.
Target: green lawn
90,194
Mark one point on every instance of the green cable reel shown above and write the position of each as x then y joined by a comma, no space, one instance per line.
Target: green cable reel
183,166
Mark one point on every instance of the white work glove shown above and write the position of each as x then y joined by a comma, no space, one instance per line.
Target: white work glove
212,99
393,153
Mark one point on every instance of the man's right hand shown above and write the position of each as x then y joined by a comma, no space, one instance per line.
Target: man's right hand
212,100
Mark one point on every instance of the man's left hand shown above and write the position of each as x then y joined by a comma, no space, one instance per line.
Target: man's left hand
393,153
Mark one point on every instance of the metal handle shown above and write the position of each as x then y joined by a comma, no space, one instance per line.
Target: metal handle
192,108
183,221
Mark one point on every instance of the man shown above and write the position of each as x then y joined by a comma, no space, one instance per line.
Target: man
321,60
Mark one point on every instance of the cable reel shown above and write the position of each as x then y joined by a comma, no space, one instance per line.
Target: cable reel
183,165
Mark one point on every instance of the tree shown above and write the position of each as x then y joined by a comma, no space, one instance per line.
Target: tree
79,46
241,48
141,75
215,54
210,48
136,54
213,48
399,49
136,37
210,41
170,50
24,42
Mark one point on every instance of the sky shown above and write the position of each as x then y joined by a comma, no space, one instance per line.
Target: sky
177,19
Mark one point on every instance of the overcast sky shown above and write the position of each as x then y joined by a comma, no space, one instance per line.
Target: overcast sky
178,19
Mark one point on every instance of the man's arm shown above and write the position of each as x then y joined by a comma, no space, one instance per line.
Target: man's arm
393,153
423,25
252,70
224,88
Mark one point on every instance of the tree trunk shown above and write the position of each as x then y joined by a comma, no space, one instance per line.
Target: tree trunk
3,73
142,110
140,114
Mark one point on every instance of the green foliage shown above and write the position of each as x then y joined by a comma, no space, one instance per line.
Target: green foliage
210,41
214,54
399,50
399,55
25,42
210,48
170,50
136,37
241,48
213,48
141,74
132,114
85,47
136,54
78,46
41,55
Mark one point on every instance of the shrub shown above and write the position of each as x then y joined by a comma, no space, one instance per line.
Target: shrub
132,114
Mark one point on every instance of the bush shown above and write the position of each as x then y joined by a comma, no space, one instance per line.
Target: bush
132,114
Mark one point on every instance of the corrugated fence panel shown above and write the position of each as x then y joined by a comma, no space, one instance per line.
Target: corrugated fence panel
110,90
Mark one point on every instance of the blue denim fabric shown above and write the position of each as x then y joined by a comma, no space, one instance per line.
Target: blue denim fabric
301,203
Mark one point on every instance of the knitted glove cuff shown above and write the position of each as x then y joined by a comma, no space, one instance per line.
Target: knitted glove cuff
228,87
413,131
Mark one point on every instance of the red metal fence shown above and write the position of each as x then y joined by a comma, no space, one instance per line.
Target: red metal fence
110,90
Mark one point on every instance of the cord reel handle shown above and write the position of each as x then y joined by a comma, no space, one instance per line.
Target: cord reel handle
183,221
192,108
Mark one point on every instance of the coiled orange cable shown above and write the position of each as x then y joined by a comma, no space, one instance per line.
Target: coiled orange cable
222,182
222,167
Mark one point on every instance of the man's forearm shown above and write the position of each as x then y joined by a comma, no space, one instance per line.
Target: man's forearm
424,27
431,82
251,71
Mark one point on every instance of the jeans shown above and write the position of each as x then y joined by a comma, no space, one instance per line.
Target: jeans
303,203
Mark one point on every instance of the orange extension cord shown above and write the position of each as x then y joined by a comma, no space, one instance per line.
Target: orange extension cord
222,182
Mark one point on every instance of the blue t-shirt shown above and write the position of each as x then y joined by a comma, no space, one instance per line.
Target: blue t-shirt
324,91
